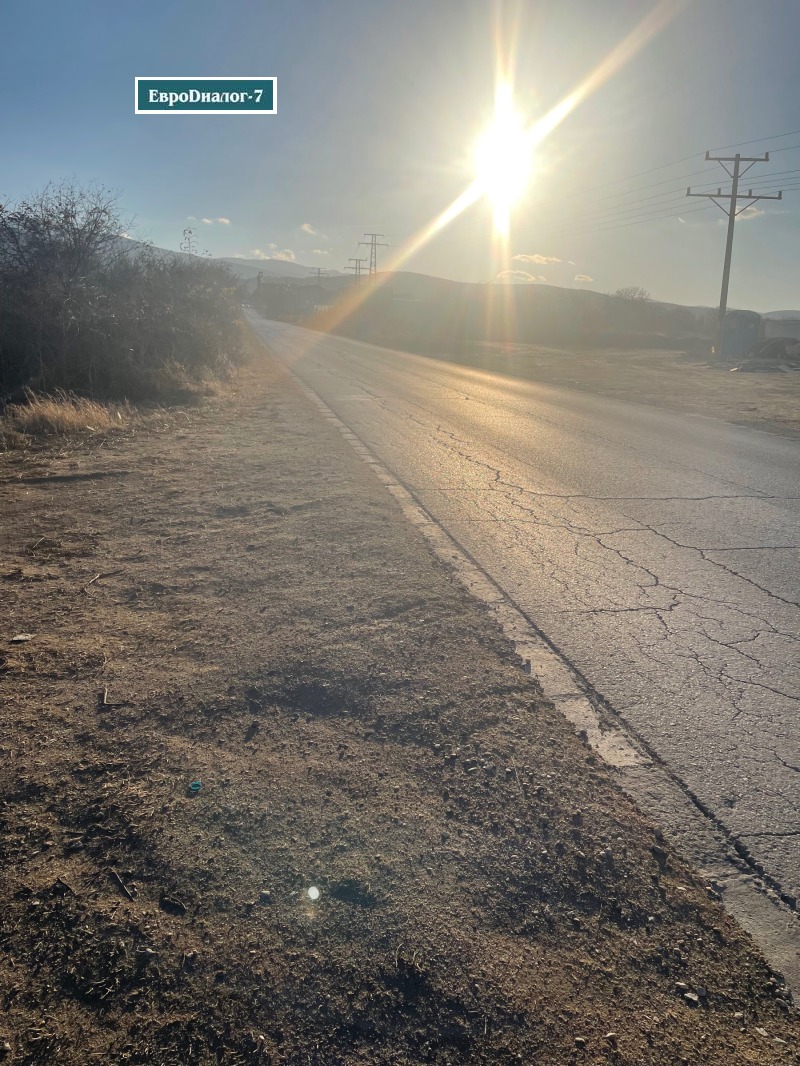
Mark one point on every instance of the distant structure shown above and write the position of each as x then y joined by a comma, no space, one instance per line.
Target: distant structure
356,268
373,244
731,210
318,273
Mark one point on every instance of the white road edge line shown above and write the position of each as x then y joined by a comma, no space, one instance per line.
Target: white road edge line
757,908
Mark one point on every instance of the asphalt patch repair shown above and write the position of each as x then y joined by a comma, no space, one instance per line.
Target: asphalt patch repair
274,789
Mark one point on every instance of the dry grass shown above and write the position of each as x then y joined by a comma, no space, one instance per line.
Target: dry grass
64,415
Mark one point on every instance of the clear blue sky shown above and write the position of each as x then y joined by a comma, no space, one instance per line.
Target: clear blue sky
379,104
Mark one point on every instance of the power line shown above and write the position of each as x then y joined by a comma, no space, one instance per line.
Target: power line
758,140
601,227
687,158
662,199
766,181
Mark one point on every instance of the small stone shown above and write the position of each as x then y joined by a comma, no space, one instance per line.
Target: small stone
265,896
580,1042
659,855
692,999
738,1015
702,993
577,817
761,1032
509,772
490,769
680,986
612,1039
5,1048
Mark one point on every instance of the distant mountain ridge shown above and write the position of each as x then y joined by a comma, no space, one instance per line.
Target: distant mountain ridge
247,269
280,268
244,268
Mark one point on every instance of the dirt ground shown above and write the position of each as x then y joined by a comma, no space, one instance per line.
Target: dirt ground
227,597
662,378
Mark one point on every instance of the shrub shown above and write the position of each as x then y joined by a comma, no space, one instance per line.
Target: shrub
84,309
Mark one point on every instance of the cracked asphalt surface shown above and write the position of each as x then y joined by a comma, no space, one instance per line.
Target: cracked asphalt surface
658,552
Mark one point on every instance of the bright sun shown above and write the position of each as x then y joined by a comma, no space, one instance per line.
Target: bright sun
503,159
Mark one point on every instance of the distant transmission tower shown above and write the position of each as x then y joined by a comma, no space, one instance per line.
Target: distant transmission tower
731,210
373,244
356,268
319,273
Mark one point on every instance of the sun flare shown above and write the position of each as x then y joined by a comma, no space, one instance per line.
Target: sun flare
503,157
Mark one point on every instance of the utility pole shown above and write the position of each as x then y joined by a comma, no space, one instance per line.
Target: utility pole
319,273
356,268
732,211
373,244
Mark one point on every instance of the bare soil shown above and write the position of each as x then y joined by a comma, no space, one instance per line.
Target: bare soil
228,597
657,377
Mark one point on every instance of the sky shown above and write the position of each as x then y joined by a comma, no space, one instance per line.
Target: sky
380,104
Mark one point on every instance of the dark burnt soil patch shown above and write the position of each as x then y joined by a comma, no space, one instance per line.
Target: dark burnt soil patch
247,611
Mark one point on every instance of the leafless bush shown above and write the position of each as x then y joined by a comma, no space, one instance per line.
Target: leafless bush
84,309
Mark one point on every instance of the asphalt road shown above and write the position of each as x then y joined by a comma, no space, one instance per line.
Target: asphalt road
659,552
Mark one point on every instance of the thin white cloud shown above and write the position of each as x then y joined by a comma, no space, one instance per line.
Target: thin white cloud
273,253
210,221
207,221
223,221
515,276
751,212
308,228
319,251
537,258
583,277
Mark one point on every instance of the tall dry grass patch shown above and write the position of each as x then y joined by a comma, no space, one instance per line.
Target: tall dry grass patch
64,415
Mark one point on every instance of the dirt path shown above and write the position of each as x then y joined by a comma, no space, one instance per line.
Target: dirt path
238,603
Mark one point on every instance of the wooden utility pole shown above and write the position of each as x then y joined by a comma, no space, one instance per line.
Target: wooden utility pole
732,211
